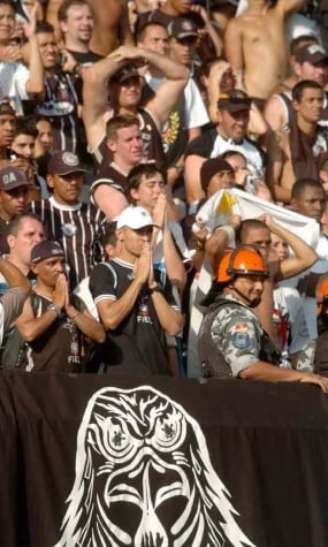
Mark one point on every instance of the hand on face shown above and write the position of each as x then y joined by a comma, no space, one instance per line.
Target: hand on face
160,209
60,294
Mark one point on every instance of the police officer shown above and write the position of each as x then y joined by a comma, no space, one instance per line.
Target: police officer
232,342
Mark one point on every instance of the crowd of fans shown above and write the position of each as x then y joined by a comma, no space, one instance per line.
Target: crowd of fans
119,124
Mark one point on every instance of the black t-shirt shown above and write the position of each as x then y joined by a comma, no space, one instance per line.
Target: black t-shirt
138,345
59,348
85,59
109,175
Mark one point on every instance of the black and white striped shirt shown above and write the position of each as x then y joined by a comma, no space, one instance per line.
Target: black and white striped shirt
77,228
60,106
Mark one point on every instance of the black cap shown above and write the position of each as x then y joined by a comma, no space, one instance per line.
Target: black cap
46,249
63,163
11,178
182,27
234,100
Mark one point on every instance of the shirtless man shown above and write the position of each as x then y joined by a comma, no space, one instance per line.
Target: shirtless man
294,154
258,35
310,62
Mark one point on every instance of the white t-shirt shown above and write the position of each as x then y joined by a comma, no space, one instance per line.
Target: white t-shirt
249,150
195,110
13,80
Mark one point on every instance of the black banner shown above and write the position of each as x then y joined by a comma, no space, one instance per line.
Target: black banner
166,463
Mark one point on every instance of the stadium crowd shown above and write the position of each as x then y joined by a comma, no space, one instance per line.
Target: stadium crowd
163,188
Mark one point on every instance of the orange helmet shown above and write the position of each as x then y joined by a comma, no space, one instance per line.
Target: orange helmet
323,289
322,294
241,261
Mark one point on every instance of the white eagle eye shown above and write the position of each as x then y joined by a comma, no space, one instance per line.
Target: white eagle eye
118,436
167,434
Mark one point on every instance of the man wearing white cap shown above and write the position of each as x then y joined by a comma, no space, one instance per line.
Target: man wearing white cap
134,309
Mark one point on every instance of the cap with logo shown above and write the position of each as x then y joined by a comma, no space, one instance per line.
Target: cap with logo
313,53
46,249
234,100
63,163
11,178
134,218
181,27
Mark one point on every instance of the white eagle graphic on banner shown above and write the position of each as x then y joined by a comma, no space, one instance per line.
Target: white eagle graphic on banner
144,478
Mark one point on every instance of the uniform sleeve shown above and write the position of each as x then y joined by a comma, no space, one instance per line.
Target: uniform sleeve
103,283
236,337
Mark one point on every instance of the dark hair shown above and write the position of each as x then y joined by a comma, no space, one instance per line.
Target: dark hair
301,184
119,122
25,126
44,27
298,89
108,236
13,226
66,4
146,170
247,225
301,41
141,29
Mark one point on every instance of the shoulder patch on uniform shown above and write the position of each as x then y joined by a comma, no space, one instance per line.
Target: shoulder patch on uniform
240,336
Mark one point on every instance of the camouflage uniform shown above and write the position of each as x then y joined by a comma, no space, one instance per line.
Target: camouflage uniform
231,339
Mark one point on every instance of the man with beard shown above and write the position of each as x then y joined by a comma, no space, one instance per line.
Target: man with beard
231,340
76,20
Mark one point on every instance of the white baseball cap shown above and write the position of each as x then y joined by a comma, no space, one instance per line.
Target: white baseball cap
134,218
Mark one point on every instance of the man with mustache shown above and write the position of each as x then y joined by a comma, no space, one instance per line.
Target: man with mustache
232,342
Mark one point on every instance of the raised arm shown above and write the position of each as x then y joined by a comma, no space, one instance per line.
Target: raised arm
169,91
288,6
35,83
304,256
233,45
95,95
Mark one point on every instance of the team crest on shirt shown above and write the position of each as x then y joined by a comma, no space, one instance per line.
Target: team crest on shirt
69,229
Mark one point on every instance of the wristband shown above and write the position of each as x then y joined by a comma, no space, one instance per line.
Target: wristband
157,226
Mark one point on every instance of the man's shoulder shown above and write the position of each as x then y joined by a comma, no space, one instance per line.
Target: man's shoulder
201,146
229,313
